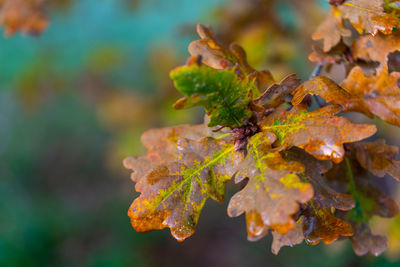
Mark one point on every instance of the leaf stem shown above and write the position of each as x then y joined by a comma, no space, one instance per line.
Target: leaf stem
358,210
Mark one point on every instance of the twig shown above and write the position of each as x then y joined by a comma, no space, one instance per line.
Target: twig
315,73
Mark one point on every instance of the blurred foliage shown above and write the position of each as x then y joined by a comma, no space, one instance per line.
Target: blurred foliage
73,103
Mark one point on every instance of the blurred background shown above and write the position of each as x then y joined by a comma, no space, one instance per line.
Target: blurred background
74,102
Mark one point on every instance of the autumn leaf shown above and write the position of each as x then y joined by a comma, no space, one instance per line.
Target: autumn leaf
363,242
275,95
273,192
314,173
331,30
324,87
23,15
376,48
364,15
319,132
216,55
320,224
369,202
223,95
369,16
378,158
178,181
294,237
376,95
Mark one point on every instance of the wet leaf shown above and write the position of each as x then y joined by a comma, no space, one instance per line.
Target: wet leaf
178,181
314,173
378,158
320,224
319,132
324,87
368,16
376,48
223,95
277,93
376,95
273,192
294,237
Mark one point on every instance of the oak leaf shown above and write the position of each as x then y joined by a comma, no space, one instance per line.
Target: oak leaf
376,95
319,132
273,192
178,182
314,173
378,158
363,241
331,30
294,237
320,224
324,87
224,96
369,16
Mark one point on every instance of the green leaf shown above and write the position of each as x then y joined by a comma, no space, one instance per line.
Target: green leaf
223,95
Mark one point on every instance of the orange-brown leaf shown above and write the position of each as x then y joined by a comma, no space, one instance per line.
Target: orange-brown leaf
331,30
377,95
176,177
378,158
321,225
320,132
324,87
294,237
273,193
23,15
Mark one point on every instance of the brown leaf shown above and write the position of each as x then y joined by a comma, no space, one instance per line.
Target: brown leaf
378,158
376,48
377,95
321,225
315,174
319,132
331,30
23,15
324,87
294,237
273,192
276,93
368,16
363,241
217,56
162,147
176,177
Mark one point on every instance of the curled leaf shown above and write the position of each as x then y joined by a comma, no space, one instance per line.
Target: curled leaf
324,87
276,93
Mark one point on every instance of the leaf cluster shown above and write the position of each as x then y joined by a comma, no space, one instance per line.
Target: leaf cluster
309,172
